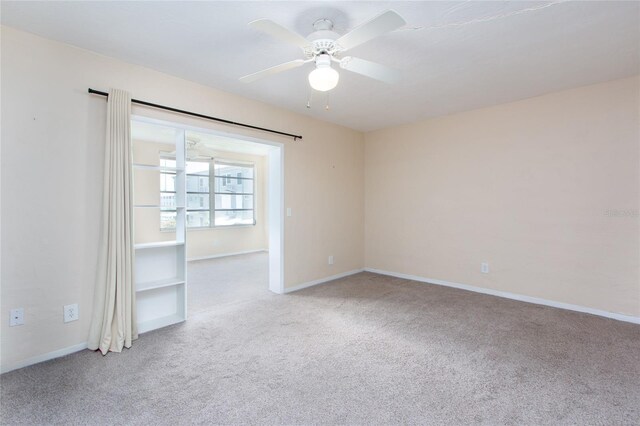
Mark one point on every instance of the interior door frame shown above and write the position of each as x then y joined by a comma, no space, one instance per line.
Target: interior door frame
275,191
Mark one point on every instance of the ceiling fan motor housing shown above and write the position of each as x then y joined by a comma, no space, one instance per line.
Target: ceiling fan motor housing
321,46
322,39
323,60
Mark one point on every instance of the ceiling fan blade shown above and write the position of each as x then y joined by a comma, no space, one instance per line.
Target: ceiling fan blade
281,33
273,70
381,24
371,69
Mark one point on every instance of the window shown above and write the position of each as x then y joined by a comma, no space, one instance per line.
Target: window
233,197
167,195
231,203
198,197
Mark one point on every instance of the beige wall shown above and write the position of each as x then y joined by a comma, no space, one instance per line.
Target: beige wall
54,130
536,188
201,242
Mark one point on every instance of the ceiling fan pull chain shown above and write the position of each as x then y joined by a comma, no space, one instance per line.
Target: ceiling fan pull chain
309,99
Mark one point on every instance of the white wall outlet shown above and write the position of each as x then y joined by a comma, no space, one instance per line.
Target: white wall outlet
289,211
17,317
484,267
330,260
71,313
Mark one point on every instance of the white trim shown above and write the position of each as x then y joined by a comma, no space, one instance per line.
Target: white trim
275,210
228,162
513,296
321,280
215,256
44,357
161,122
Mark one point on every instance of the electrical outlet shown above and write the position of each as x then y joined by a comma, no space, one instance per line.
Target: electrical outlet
484,267
289,211
17,317
330,260
71,313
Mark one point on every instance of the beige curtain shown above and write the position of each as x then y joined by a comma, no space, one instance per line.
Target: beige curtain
113,325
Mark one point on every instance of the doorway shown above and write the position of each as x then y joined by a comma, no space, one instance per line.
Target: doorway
233,199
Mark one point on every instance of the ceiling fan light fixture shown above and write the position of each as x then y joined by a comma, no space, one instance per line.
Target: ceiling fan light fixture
323,78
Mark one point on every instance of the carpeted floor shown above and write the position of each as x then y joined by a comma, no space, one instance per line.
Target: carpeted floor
367,349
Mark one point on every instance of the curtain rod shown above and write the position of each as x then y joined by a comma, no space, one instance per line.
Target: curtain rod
195,114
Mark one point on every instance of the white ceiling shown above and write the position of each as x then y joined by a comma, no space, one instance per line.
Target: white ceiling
455,56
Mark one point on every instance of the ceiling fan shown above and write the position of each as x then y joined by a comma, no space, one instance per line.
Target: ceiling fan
195,149
324,46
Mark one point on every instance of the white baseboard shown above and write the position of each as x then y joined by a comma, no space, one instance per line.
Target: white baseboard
215,256
44,357
514,296
321,281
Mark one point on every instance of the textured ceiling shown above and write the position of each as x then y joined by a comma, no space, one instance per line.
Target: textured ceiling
455,56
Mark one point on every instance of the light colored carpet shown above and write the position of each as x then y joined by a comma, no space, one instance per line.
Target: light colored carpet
366,349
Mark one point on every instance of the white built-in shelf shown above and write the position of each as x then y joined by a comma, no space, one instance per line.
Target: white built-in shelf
158,168
154,285
153,324
161,266
158,244
156,206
